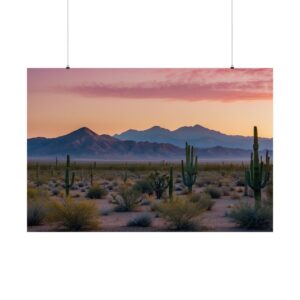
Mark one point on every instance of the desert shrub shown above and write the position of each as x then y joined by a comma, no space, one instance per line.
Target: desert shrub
247,217
128,198
143,186
215,193
180,212
96,192
144,220
74,215
204,200
159,183
37,201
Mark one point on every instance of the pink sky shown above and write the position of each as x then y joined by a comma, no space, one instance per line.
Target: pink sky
114,100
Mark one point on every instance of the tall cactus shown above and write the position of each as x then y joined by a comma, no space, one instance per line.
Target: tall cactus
68,182
189,172
171,184
258,174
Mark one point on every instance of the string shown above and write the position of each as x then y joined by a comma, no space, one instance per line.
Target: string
68,34
232,67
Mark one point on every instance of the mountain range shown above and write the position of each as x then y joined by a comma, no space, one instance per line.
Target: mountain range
197,136
84,143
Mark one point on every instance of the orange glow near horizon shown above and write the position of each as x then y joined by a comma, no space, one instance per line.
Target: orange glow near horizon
110,101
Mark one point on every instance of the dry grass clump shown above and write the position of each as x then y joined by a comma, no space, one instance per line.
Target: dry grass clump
128,198
96,192
180,212
37,201
74,215
247,217
143,186
214,192
204,200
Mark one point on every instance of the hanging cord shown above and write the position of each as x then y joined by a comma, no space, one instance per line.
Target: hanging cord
68,34
232,67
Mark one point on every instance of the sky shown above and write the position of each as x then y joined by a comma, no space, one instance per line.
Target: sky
110,101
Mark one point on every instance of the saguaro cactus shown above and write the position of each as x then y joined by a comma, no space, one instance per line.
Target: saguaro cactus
258,174
68,182
190,170
171,183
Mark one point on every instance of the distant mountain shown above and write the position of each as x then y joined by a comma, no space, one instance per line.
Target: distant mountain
197,135
84,143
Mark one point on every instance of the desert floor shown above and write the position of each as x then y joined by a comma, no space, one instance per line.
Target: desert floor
229,183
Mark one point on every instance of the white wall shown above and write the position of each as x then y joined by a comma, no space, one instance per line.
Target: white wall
156,33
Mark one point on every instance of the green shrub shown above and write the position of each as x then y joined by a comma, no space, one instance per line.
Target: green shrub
180,212
204,200
215,193
96,192
144,220
37,201
143,186
74,215
247,217
128,198
159,183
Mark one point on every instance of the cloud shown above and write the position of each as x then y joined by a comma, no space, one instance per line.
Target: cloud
186,84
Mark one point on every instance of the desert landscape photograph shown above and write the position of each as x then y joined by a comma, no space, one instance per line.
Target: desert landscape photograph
150,150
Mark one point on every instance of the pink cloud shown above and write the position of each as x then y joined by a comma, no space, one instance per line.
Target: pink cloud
184,84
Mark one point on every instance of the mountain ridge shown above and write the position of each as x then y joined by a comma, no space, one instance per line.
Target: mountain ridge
197,135
85,143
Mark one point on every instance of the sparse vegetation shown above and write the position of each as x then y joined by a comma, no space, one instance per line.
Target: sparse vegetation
204,200
181,213
128,198
96,192
74,215
119,187
37,201
251,218
143,186
214,192
159,183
